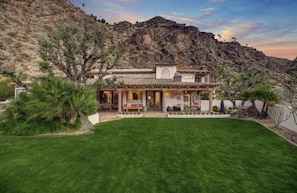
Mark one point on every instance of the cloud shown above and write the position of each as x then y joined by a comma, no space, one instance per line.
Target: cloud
248,27
207,11
193,21
216,1
127,1
115,1
179,14
182,19
280,49
115,11
238,31
227,35
112,5
117,15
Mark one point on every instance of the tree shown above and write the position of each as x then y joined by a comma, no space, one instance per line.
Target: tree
103,20
94,16
264,94
268,97
289,94
239,79
75,52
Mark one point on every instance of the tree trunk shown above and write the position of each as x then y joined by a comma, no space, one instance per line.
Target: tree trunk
85,123
62,119
234,104
255,110
73,118
263,113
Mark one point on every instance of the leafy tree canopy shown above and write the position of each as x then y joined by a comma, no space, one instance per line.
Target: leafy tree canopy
262,93
239,79
76,52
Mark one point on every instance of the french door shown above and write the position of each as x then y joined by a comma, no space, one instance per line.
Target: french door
154,100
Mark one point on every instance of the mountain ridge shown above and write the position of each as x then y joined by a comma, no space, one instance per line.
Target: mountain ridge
142,44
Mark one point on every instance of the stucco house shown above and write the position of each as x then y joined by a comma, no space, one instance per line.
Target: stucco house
163,88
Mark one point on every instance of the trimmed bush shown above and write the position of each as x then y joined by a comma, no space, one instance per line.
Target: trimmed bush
215,108
229,110
239,113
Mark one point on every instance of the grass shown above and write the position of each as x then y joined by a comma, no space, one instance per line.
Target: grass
152,155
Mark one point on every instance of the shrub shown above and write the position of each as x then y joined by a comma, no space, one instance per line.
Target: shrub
21,127
12,34
55,98
239,113
49,101
215,108
229,110
6,91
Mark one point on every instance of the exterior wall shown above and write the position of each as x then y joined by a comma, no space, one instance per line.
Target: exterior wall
166,72
188,78
150,76
124,75
205,79
173,100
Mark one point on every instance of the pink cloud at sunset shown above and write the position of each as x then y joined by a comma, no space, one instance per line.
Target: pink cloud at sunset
279,49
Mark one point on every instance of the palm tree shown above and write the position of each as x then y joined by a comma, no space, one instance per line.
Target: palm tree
49,99
56,98
81,102
264,94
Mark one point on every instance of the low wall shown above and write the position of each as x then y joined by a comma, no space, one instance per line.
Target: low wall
274,112
227,104
94,119
282,114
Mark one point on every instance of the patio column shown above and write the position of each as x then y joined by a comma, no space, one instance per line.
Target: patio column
119,100
144,97
164,100
210,100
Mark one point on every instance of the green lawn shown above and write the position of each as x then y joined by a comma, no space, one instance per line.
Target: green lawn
152,155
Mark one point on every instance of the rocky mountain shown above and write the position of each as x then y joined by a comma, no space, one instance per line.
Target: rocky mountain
143,44
23,22
161,40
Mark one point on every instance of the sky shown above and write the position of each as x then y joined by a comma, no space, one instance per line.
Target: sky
269,26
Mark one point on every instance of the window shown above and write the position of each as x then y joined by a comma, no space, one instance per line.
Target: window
134,95
198,79
165,73
110,97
